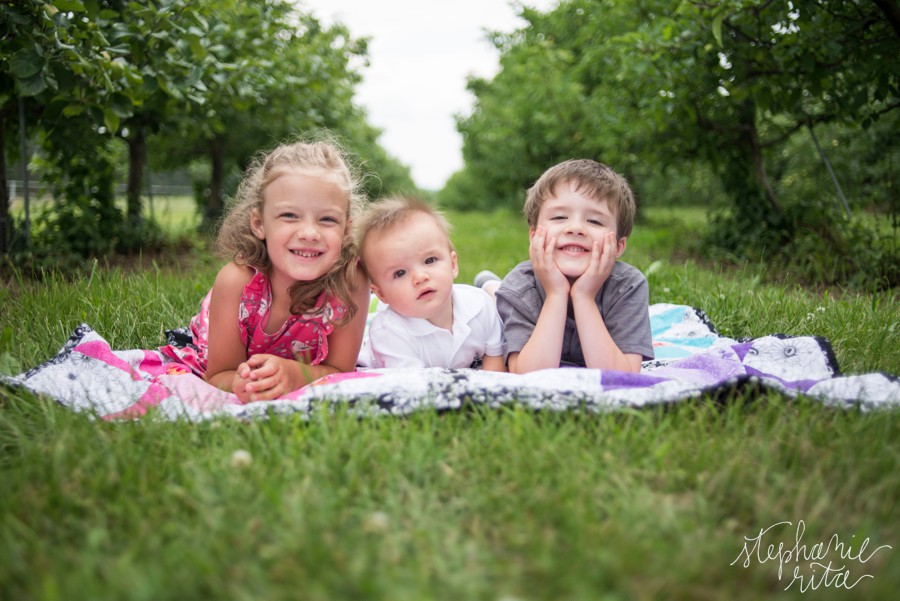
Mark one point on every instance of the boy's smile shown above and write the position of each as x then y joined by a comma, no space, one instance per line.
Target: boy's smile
576,222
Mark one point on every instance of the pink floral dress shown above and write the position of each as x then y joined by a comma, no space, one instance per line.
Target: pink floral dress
301,337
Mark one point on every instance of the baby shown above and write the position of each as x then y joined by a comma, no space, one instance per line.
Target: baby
405,249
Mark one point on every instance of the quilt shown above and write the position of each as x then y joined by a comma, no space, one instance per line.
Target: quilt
692,360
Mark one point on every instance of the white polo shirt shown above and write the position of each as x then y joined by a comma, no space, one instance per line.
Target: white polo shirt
394,340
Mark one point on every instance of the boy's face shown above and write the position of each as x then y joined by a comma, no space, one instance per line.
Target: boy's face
576,221
412,269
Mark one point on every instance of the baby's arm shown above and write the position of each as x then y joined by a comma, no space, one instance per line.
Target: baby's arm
226,350
491,328
489,363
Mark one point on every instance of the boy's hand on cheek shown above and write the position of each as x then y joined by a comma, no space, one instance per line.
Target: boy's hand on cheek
545,269
603,258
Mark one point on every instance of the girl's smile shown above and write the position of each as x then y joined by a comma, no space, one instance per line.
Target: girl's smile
303,222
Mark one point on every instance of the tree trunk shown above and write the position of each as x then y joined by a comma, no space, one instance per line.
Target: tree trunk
891,10
137,159
5,200
748,125
214,204
759,170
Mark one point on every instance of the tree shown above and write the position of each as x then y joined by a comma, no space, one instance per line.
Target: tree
646,85
44,55
286,75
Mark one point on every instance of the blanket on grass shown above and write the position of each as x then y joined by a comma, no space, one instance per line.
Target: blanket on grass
692,359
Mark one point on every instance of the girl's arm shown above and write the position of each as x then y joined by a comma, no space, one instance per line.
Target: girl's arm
226,350
345,341
271,377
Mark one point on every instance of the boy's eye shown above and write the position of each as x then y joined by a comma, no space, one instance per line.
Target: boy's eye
399,273
430,260
557,217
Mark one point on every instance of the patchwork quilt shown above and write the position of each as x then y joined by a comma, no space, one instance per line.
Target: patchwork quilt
692,359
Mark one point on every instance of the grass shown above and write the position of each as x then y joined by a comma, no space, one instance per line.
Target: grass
478,504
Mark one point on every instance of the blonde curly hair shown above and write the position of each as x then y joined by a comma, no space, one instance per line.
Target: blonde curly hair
237,242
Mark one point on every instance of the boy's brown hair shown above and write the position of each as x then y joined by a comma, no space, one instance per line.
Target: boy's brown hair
590,178
385,214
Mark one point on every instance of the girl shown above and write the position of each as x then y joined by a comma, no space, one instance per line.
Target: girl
284,311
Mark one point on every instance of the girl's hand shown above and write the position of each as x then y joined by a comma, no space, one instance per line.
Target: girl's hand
266,377
603,258
541,250
239,382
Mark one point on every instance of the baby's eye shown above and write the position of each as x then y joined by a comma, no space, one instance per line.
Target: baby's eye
595,222
399,273
430,260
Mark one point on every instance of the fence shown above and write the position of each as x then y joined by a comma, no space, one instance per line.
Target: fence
39,191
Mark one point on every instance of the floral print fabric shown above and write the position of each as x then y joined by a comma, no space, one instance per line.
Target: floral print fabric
302,337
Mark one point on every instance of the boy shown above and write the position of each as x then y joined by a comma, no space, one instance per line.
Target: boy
406,252
573,303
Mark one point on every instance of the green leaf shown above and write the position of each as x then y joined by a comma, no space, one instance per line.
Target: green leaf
717,29
26,63
73,110
32,86
69,5
111,120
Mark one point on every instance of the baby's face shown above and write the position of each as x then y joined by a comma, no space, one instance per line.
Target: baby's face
576,221
412,269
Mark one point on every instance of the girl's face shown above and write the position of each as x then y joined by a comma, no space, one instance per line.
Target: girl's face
303,222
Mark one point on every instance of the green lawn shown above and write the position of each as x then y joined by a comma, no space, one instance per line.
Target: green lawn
480,504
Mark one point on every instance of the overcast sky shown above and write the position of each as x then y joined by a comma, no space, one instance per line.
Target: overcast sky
420,53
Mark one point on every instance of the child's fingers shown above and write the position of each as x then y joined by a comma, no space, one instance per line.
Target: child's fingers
596,253
266,389
609,249
262,366
257,360
548,251
537,243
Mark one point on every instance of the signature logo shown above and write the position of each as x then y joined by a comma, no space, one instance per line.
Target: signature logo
834,562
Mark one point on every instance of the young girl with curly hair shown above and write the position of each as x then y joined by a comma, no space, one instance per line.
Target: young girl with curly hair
284,310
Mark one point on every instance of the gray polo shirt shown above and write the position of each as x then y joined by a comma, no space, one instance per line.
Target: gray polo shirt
623,301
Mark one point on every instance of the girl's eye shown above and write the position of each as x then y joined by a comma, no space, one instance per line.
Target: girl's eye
430,260
399,273
288,216
330,219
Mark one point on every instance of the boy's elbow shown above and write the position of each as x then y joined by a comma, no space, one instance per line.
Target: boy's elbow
632,363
